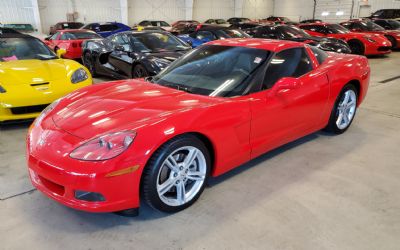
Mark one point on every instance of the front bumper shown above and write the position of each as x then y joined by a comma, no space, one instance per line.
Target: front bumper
58,176
378,48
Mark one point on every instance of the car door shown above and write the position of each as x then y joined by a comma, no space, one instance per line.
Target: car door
121,56
291,103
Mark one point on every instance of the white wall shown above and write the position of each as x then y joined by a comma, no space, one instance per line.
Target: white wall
258,9
167,10
205,9
52,12
295,10
16,11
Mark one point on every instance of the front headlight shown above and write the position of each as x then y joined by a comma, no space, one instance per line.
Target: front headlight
2,90
79,75
104,147
47,110
369,39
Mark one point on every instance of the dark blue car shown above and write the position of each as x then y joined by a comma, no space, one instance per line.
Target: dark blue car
208,33
107,29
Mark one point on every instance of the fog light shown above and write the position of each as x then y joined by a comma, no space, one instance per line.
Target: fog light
88,196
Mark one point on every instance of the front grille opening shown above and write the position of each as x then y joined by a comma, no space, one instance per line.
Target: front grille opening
54,187
384,48
28,109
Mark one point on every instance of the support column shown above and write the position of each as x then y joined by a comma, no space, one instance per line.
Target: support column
189,9
124,11
36,15
238,8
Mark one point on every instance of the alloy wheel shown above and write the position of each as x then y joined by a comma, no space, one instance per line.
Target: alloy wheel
346,109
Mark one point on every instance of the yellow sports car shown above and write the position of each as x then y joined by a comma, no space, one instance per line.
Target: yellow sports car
32,76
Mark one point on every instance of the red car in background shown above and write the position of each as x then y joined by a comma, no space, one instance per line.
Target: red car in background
369,27
360,43
108,146
71,41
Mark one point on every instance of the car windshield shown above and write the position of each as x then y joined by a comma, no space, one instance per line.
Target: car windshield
394,24
230,33
71,25
12,49
336,29
79,35
371,26
220,21
20,27
159,23
292,32
157,42
213,70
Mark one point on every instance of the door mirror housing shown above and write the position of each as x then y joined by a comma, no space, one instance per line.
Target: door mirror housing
61,52
285,84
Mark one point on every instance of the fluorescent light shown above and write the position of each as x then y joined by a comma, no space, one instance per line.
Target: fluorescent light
325,13
340,13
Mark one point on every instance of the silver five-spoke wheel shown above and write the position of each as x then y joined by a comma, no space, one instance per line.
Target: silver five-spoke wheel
181,176
346,109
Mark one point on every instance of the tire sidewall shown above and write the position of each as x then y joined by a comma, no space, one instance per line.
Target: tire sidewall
332,126
136,67
155,163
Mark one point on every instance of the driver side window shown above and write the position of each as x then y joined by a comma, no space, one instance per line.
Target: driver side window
288,63
123,41
205,35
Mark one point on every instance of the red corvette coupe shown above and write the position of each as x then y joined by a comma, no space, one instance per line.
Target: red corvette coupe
105,147
369,27
361,44
71,41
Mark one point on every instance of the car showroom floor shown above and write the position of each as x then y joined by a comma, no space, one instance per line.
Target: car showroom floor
320,192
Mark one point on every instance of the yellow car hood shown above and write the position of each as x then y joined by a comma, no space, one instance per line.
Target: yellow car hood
32,71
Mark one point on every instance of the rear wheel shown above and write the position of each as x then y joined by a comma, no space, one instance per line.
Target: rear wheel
176,174
89,64
356,47
344,110
139,71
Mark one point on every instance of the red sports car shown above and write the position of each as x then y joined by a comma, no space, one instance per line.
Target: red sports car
361,44
369,27
71,41
105,147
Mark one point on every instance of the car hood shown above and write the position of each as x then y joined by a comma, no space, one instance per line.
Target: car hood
32,71
167,55
126,105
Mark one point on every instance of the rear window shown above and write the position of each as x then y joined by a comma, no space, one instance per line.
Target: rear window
108,27
79,35
319,54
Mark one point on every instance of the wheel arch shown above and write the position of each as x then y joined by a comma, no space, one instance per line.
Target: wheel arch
358,41
356,83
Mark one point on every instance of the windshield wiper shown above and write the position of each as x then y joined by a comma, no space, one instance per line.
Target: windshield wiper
44,58
178,87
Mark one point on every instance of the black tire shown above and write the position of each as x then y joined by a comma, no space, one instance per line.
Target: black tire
89,64
139,71
393,41
156,162
332,125
357,47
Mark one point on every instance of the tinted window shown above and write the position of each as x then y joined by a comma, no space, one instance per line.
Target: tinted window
12,49
319,54
122,40
287,63
205,35
54,37
214,70
156,42
79,35
230,33
108,27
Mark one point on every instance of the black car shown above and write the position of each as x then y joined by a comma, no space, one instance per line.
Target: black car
236,20
386,14
292,33
132,54
8,31
280,20
388,24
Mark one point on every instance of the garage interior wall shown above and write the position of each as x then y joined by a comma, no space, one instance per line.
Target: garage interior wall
53,11
167,10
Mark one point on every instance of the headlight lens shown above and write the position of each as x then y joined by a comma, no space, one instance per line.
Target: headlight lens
46,111
2,90
79,75
104,147
369,39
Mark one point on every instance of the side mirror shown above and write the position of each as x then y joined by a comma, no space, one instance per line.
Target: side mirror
61,52
285,84
189,42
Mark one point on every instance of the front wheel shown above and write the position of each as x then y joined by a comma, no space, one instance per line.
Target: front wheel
89,64
176,174
344,110
139,72
356,47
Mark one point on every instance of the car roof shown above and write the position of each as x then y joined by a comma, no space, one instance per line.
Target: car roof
143,32
16,35
258,43
213,27
76,30
316,23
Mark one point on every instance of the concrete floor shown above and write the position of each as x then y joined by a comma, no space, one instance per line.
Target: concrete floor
320,192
